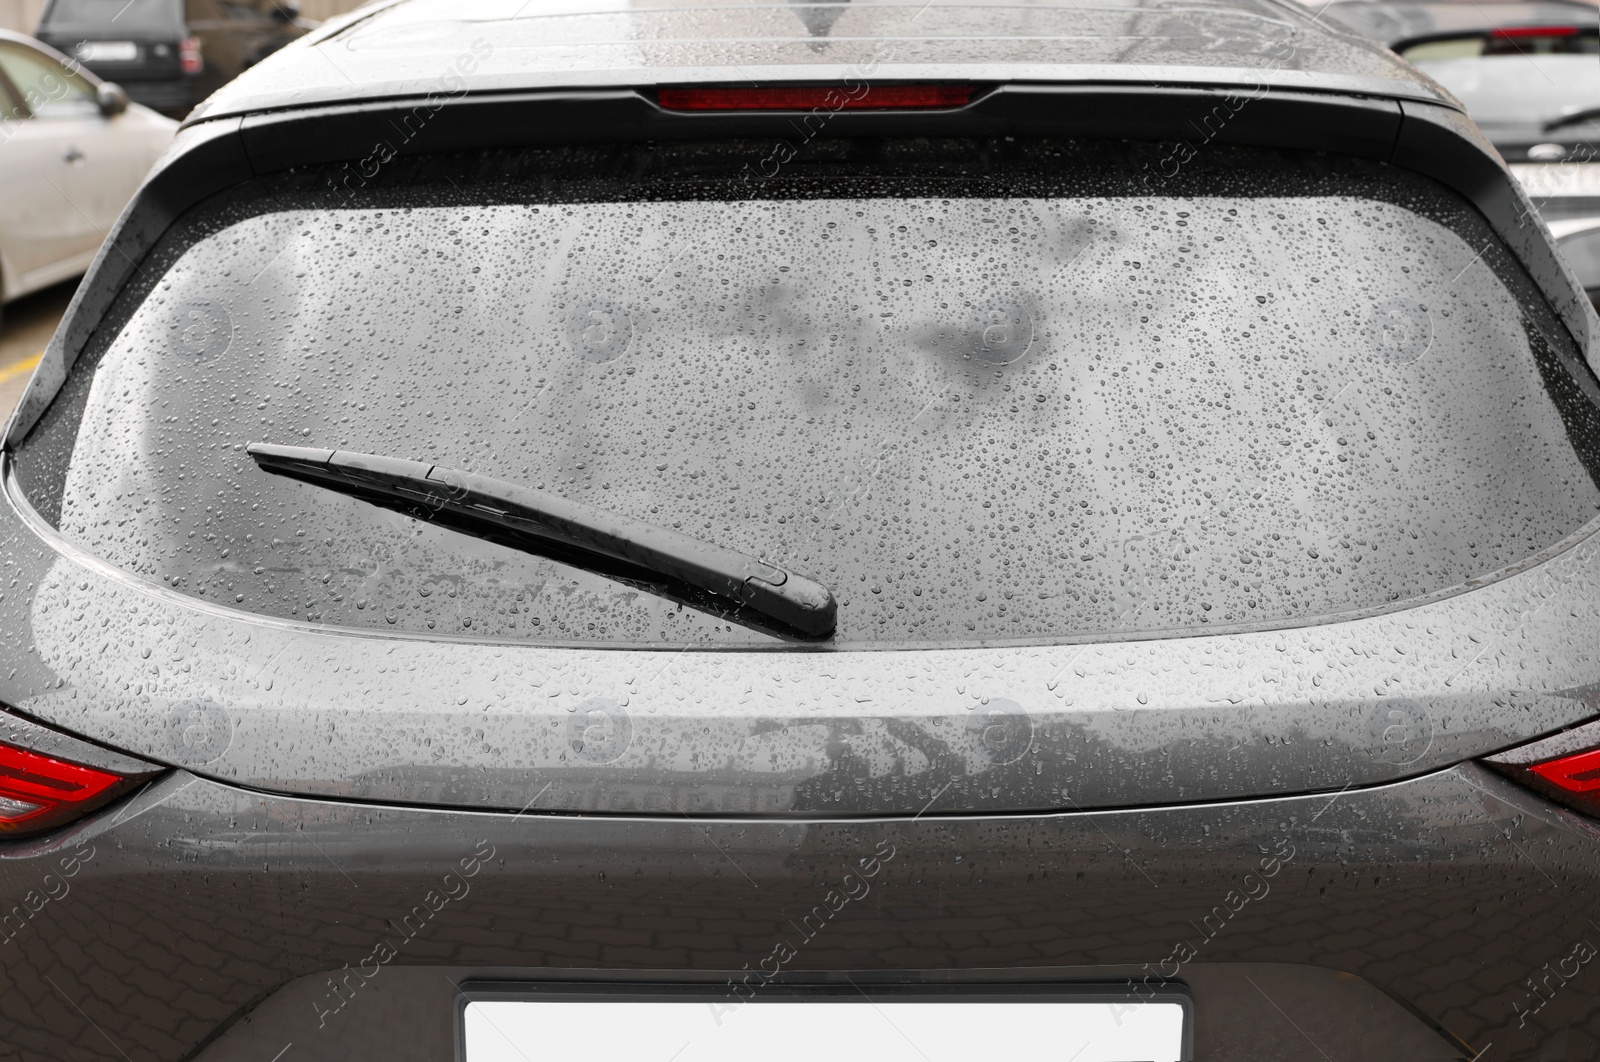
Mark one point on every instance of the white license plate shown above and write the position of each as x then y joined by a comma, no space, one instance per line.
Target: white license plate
1543,180
108,51
831,1029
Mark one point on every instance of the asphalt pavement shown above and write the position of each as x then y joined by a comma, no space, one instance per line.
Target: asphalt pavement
25,328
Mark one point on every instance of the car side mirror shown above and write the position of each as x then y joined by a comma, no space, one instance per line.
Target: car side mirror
111,98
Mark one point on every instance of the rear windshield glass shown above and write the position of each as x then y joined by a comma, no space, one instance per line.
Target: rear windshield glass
107,17
1517,41
986,391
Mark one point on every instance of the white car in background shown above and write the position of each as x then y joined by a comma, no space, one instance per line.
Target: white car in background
72,152
1529,75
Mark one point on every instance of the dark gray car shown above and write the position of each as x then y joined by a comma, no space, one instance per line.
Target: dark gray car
570,532
143,45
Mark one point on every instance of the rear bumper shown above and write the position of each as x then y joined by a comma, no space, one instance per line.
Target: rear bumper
197,920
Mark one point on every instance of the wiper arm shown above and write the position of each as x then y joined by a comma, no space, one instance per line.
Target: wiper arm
481,502
1588,114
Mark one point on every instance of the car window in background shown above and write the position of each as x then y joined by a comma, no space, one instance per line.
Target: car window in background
1537,40
49,89
1542,106
986,391
108,16
11,108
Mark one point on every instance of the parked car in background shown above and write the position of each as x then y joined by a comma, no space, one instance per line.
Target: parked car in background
601,522
142,45
74,149
1528,73
170,54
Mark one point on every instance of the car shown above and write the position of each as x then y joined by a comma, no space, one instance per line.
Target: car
1528,73
170,54
72,152
924,531
143,45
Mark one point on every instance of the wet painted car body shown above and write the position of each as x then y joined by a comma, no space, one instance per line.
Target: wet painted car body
1284,817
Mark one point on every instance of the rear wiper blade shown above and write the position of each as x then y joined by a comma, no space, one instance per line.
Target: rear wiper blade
1588,114
481,502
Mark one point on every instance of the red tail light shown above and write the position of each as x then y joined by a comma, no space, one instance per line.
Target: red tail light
38,792
189,55
860,97
1578,773
1564,767
1508,32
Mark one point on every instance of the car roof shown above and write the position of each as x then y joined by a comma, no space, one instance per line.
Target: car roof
446,48
1395,23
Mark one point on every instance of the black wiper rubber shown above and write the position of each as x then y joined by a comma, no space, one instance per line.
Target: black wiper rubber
1588,114
482,501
